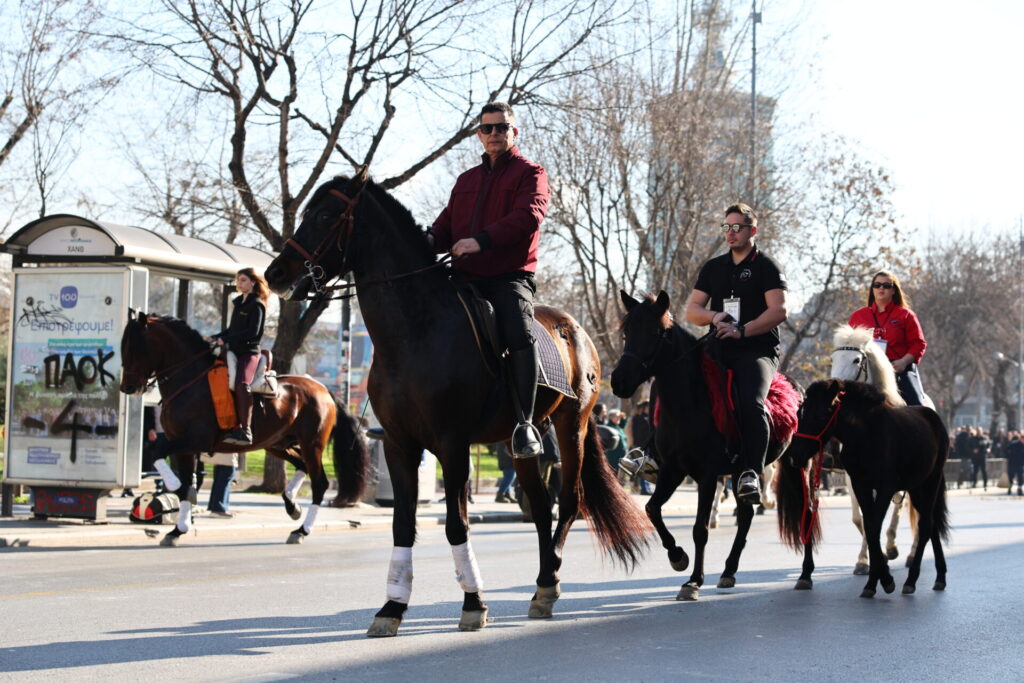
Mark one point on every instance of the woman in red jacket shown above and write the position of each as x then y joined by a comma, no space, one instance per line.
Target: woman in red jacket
897,330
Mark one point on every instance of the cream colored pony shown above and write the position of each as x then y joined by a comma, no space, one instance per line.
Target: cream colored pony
856,356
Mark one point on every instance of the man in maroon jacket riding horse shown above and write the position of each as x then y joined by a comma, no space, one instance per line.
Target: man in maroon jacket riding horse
491,226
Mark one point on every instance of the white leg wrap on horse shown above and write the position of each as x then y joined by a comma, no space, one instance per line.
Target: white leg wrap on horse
171,481
184,517
400,575
310,518
467,573
294,484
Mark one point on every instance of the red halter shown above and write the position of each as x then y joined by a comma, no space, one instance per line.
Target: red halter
813,483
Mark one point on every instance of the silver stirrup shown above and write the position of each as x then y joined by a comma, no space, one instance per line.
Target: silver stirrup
536,433
636,463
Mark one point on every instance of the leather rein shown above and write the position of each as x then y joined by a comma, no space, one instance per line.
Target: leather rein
340,234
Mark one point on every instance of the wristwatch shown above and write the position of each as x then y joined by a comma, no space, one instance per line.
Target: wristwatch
742,328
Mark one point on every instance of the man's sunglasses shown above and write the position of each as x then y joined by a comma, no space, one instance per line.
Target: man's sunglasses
726,228
882,285
499,128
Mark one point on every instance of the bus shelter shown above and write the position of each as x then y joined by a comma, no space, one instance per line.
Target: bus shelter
72,436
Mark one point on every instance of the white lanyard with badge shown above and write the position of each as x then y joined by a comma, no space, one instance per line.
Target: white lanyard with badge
731,306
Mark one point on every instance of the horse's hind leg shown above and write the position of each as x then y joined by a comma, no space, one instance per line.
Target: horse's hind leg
455,468
403,465
732,563
668,481
862,568
924,530
891,551
312,451
705,492
291,489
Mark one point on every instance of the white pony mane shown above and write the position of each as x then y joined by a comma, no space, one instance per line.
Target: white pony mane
879,367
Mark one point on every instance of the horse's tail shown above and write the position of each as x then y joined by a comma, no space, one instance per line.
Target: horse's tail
940,515
792,510
622,528
351,457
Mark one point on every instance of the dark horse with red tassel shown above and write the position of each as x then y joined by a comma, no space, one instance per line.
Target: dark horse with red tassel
885,449
433,387
296,424
695,434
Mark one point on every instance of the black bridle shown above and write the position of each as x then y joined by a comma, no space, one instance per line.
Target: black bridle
665,337
862,369
340,233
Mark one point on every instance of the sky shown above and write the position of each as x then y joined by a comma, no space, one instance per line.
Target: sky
931,90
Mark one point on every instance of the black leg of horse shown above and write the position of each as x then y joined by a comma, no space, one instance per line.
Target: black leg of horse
924,530
706,488
732,563
185,464
873,512
456,528
292,456
805,583
529,477
312,464
668,481
403,465
569,429
940,559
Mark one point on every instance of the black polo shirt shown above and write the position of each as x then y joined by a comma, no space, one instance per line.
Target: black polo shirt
747,280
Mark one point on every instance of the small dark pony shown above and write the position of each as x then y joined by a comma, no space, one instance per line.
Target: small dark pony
432,387
295,425
885,449
688,439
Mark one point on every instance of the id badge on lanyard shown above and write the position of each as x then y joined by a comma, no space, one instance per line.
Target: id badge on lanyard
882,343
732,307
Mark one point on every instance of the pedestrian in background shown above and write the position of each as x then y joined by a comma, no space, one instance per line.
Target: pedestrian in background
508,475
980,446
618,449
1014,453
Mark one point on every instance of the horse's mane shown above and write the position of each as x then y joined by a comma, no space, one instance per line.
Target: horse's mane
878,364
860,392
397,211
181,329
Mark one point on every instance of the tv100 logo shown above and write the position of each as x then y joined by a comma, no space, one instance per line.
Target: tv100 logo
68,296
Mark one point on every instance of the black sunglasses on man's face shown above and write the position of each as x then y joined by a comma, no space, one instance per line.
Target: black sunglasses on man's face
499,128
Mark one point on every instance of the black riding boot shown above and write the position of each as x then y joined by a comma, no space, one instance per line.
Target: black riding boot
242,434
523,366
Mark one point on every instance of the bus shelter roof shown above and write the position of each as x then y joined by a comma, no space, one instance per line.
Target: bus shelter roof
69,239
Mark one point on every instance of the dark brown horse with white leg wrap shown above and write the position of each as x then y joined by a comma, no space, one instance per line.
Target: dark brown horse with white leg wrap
432,387
295,425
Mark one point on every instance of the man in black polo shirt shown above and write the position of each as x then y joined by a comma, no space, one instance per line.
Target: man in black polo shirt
742,294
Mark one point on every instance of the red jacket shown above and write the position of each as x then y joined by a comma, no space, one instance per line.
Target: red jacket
502,208
897,325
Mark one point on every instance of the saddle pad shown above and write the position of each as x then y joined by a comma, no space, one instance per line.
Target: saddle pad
550,370
263,382
223,400
782,403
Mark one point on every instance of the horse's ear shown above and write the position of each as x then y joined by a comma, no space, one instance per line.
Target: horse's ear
628,301
142,318
835,386
359,181
662,302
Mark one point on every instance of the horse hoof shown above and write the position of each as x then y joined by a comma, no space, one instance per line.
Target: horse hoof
192,495
889,585
727,582
295,538
908,589
713,523
939,586
295,512
384,627
689,592
544,601
680,563
760,509
169,541
867,593
861,569
892,553
803,585
473,621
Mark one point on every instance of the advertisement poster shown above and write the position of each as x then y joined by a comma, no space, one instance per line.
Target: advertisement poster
65,372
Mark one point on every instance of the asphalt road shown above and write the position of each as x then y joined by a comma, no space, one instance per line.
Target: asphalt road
264,611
